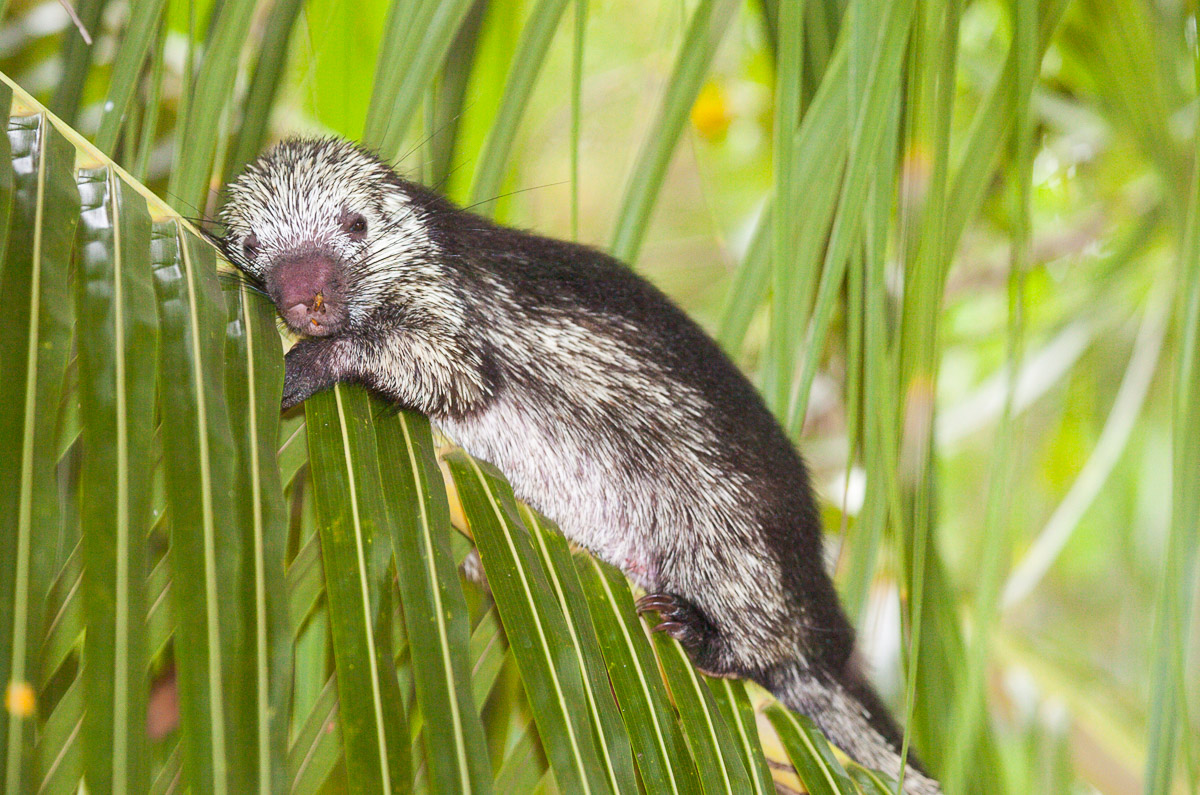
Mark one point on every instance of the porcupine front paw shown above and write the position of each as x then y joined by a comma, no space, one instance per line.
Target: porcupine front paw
686,623
309,367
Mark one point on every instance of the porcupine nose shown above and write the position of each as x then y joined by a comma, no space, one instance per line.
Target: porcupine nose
307,294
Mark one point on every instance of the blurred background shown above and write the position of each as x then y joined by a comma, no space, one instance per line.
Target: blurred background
1058,570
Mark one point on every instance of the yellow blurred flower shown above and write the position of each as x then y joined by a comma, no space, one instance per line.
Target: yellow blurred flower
710,114
19,699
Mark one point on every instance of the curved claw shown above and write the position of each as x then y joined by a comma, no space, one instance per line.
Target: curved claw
656,602
672,628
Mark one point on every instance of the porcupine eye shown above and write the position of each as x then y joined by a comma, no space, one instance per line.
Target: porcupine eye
356,225
250,246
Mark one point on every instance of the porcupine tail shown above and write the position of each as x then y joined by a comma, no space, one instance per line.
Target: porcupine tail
852,716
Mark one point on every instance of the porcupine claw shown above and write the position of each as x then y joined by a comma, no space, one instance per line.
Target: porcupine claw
680,619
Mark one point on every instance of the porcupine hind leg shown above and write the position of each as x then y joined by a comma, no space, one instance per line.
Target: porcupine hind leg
699,636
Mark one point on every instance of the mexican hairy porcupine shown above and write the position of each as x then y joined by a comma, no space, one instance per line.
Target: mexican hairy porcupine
607,408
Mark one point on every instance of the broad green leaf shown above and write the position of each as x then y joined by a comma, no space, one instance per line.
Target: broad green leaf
351,521
170,775
115,302
64,616
810,754
488,653
717,761
612,740
434,608
872,782
524,766
318,744
199,480
305,582
738,712
45,209
526,604
254,382
658,745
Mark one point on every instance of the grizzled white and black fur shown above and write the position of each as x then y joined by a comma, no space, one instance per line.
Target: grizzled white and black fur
607,408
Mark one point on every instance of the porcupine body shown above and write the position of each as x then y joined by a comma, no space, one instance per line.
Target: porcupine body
607,408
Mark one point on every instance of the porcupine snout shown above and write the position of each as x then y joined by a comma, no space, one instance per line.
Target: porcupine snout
307,288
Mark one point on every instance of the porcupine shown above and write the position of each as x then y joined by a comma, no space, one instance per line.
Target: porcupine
608,409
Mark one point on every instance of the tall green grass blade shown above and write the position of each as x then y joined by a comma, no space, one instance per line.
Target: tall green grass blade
189,182
863,546
612,740
6,177
351,520
264,85
658,744
989,131
1171,680
785,265
933,644
254,380
810,754
141,163
77,59
751,284
553,683
45,209
199,490
435,610
396,52
413,66
139,34
996,551
705,31
867,145
821,145
577,44
115,302
451,95
526,64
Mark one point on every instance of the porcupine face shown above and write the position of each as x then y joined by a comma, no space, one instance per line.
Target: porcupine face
320,225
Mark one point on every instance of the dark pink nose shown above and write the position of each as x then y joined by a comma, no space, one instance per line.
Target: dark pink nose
307,290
